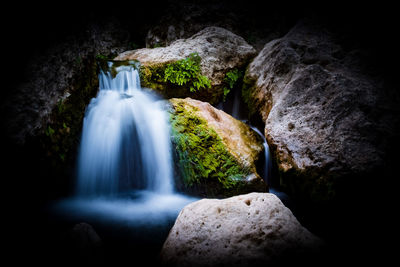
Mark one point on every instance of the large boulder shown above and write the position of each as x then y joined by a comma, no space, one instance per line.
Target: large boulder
182,19
247,230
216,154
328,121
81,245
220,51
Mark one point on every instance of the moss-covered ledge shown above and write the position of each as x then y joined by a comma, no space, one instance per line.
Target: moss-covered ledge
205,164
210,73
153,76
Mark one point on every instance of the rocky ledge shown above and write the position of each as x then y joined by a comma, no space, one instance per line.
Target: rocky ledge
220,51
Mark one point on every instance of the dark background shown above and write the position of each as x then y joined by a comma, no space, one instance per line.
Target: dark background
30,29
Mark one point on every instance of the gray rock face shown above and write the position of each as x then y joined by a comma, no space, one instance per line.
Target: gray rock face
325,117
51,76
182,19
245,230
220,51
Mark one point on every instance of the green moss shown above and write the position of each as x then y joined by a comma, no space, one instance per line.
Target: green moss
153,77
105,66
184,73
158,45
247,88
176,85
202,157
187,72
231,79
60,138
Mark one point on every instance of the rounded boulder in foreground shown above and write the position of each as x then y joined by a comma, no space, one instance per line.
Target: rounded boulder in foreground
246,230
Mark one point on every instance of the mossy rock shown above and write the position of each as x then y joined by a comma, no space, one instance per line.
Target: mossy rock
152,76
59,141
206,165
219,52
108,65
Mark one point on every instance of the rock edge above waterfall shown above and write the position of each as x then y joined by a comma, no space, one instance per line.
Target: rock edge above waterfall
220,51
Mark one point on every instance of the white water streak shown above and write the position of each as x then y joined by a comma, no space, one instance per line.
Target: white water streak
125,139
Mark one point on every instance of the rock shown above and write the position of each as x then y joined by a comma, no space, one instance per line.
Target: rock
327,119
216,154
219,49
55,75
85,246
246,230
44,109
182,19
85,236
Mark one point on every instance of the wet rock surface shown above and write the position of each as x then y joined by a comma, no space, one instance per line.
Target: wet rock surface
216,154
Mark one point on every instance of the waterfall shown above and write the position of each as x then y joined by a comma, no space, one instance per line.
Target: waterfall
125,141
234,106
266,171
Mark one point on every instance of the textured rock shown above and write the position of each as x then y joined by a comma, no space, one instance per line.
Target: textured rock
246,230
327,120
214,146
52,78
182,19
220,51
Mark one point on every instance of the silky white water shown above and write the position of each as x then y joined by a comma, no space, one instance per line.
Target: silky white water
125,167
266,172
267,164
125,139
234,106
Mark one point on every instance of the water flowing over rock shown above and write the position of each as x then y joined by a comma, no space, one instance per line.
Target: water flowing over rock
217,154
246,230
125,134
327,120
220,51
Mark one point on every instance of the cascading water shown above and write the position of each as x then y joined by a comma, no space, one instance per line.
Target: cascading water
266,172
234,106
267,163
125,140
125,163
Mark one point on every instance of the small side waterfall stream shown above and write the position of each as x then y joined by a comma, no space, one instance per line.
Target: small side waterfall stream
266,170
236,108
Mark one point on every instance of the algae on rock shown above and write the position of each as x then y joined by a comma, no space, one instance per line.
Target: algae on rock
215,153
220,51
